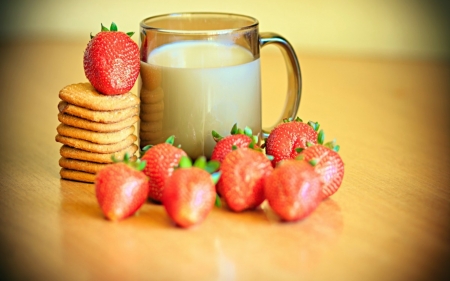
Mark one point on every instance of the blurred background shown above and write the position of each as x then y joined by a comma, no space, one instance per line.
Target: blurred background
377,28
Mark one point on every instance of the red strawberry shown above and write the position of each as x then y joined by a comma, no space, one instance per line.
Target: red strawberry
293,190
287,136
238,138
161,161
190,193
241,182
121,189
111,61
328,163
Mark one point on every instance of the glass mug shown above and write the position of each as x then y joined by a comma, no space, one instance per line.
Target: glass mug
201,72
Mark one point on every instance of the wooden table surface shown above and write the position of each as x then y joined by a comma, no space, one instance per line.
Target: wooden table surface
389,221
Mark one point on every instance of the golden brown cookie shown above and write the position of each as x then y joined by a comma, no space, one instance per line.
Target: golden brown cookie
85,95
95,147
153,116
84,166
96,137
96,126
152,126
74,153
152,107
77,175
80,165
150,76
110,116
153,96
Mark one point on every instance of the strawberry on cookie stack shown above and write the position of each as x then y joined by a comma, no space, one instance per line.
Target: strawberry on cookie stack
98,117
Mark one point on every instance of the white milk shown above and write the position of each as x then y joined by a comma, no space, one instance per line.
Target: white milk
207,86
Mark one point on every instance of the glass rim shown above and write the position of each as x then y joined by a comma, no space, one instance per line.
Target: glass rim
253,23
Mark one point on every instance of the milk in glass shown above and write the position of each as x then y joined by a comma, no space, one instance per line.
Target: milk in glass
207,86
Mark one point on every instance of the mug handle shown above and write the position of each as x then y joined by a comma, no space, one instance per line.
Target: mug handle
294,90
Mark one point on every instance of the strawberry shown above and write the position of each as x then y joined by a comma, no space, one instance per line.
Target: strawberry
161,161
121,188
241,182
293,190
189,194
327,161
111,61
237,137
289,135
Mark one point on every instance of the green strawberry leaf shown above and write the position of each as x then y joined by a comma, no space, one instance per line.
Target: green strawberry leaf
170,140
248,132
137,165
314,125
216,136
141,165
321,137
130,33
234,129
212,166
300,157
200,162
270,157
215,177
185,162
103,28
218,203
113,27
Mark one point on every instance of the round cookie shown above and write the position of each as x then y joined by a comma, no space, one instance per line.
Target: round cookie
74,153
110,116
95,147
84,166
77,175
95,126
85,95
80,165
95,137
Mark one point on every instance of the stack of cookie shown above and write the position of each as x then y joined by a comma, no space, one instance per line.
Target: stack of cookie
94,127
152,106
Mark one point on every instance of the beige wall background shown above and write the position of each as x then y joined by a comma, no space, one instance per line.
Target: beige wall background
388,28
